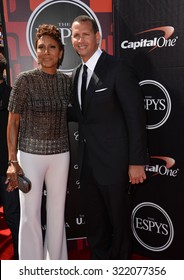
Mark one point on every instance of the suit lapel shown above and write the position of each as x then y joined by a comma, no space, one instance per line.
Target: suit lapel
90,91
94,81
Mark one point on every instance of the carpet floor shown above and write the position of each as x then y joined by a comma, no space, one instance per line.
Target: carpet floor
77,249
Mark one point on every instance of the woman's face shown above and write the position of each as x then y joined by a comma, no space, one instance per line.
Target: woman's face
48,54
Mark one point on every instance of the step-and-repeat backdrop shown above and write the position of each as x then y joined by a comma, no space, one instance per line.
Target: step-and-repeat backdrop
151,35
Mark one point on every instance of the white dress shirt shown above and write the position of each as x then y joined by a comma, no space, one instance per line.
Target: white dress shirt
91,63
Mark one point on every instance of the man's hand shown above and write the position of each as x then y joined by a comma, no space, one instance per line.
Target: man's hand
136,174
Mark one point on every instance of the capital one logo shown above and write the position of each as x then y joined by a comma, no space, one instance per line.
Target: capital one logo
152,226
60,13
154,42
157,103
162,165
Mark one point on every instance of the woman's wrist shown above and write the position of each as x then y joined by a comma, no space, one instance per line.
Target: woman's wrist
12,161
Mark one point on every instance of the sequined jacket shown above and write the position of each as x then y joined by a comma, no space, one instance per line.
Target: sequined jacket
41,99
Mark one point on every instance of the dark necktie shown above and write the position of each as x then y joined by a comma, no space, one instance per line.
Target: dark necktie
83,87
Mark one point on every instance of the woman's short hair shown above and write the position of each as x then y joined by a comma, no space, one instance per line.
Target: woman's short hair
52,31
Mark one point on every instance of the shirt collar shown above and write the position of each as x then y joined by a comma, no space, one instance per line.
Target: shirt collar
91,63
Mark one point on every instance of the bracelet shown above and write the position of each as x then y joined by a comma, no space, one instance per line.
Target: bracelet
12,161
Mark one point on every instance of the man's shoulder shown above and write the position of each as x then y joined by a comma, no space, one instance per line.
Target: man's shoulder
113,58
77,68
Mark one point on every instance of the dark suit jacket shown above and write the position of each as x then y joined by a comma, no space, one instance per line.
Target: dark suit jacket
112,125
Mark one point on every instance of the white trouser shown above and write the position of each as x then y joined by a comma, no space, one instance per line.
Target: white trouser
53,169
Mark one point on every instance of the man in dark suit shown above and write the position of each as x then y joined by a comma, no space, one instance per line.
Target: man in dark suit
112,141
10,200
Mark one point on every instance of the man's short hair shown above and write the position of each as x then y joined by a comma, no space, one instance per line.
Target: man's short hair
84,18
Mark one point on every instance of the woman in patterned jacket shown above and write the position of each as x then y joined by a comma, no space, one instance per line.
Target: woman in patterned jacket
37,129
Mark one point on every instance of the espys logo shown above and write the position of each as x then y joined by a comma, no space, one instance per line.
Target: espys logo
161,165
156,42
60,13
152,226
157,103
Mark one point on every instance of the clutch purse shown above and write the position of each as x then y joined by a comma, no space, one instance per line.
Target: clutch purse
24,184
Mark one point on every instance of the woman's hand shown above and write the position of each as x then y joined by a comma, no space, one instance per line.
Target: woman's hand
12,176
12,138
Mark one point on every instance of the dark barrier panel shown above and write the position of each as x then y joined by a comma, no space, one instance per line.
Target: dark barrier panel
150,34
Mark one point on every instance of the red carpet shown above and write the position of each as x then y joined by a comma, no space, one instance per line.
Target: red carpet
6,247
77,249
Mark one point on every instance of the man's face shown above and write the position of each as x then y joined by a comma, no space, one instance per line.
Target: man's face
84,40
